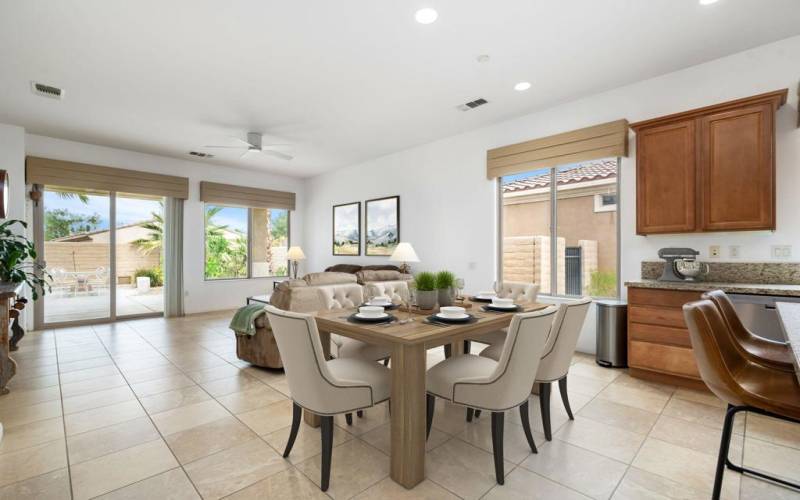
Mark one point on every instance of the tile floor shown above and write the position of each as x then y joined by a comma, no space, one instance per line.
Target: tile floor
163,409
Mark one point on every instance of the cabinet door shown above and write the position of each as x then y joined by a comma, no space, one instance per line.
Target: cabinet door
737,173
666,178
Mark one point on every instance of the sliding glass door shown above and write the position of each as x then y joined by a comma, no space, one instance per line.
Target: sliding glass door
104,252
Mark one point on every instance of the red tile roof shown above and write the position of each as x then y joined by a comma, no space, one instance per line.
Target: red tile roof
581,172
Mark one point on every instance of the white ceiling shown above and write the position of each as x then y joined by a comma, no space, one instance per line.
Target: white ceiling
343,81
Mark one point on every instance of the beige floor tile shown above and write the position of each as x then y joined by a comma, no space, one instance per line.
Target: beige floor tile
50,486
174,399
111,439
269,418
170,485
91,385
290,484
110,472
381,438
704,397
773,459
606,440
621,416
85,364
694,436
755,489
627,380
682,465
89,374
148,374
97,399
642,485
31,462
281,386
593,371
355,466
449,418
462,468
522,484
203,440
32,434
240,402
24,372
772,430
24,384
216,373
104,416
186,417
644,399
582,470
266,375
515,444
236,468
308,442
699,413
238,383
387,489
29,397
584,385
159,385
20,415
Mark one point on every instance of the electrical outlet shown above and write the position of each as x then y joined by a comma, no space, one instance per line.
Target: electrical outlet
781,251
735,251
714,251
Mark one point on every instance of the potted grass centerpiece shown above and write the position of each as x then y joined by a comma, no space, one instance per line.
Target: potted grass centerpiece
445,285
425,283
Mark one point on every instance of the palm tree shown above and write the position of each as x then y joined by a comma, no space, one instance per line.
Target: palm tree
155,239
67,195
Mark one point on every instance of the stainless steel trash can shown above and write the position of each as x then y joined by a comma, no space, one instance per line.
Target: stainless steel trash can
612,333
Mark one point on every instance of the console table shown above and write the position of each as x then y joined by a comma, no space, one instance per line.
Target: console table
8,367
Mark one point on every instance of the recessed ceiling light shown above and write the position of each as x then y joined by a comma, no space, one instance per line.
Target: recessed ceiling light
426,15
483,58
708,2
522,86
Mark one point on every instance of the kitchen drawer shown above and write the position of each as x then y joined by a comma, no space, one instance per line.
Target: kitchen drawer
662,358
661,298
659,334
661,316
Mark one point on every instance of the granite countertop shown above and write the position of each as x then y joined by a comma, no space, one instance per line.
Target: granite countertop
748,288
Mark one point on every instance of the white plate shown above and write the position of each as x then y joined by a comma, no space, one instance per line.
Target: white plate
485,297
459,316
373,304
371,316
497,306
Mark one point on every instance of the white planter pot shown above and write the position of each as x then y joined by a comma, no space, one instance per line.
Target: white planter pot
142,284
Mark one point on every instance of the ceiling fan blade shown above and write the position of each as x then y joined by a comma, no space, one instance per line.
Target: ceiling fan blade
245,153
241,140
277,154
227,147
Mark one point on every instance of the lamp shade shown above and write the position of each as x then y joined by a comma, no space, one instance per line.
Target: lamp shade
404,253
295,253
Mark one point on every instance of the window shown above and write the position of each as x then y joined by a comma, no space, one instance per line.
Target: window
559,228
245,243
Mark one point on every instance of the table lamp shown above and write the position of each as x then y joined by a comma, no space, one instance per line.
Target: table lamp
404,253
294,256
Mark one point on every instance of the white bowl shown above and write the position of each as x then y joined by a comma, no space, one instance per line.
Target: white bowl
486,295
371,311
502,302
452,312
381,300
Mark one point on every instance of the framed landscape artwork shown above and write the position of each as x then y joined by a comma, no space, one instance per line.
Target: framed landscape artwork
383,225
347,229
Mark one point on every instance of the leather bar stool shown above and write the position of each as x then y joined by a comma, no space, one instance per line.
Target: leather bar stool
746,383
770,352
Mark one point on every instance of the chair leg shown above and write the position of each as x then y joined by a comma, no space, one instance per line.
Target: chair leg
326,425
348,417
562,388
724,445
477,413
360,413
497,445
544,404
386,362
467,346
470,413
430,405
297,415
526,426
447,351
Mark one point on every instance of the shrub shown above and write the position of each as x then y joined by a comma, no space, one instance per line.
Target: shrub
155,274
425,281
445,280
603,284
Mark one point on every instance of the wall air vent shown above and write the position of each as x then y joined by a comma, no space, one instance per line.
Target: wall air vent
472,104
201,155
47,90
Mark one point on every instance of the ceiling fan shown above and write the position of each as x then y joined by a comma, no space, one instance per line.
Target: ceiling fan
253,144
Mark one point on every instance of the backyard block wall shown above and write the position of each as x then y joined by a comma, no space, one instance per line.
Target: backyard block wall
527,259
87,257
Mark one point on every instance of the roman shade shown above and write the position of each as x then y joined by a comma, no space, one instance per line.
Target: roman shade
591,143
84,176
227,194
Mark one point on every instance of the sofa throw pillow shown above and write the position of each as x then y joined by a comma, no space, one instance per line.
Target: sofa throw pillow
344,268
369,276
319,279
381,267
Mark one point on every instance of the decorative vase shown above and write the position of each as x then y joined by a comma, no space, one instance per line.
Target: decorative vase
426,299
445,297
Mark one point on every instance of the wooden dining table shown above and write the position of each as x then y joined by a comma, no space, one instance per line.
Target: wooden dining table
409,343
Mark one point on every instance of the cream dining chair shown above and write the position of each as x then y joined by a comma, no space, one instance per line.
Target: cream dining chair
495,386
326,388
556,357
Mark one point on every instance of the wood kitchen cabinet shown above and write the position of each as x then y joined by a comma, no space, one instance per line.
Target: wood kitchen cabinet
709,169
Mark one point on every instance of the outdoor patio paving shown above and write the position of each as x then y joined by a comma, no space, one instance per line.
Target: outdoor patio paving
130,302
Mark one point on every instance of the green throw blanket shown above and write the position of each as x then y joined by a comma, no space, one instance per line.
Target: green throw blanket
243,321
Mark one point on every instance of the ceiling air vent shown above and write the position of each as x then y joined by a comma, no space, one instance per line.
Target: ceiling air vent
201,155
47,90
473,104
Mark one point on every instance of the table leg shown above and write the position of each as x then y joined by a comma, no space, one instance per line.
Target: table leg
312,419
408,414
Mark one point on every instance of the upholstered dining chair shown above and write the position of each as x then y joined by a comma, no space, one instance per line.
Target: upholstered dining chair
326,388
556,357
745,383
495,386
776,354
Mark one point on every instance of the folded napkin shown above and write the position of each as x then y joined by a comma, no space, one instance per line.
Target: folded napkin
243,321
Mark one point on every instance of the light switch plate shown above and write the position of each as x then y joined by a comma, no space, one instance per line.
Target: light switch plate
714,251
735,251
781,251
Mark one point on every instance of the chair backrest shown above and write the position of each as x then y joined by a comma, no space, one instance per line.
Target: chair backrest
519,291
563,339
310,381
714,349
346,296
395,290
729,314
510,383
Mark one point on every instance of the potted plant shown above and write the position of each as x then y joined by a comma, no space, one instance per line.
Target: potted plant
425,283
445,284
18,260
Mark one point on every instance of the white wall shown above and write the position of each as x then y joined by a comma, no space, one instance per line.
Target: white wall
448,207
12,160
201,295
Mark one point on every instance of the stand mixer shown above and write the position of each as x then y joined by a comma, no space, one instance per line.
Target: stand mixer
681,264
